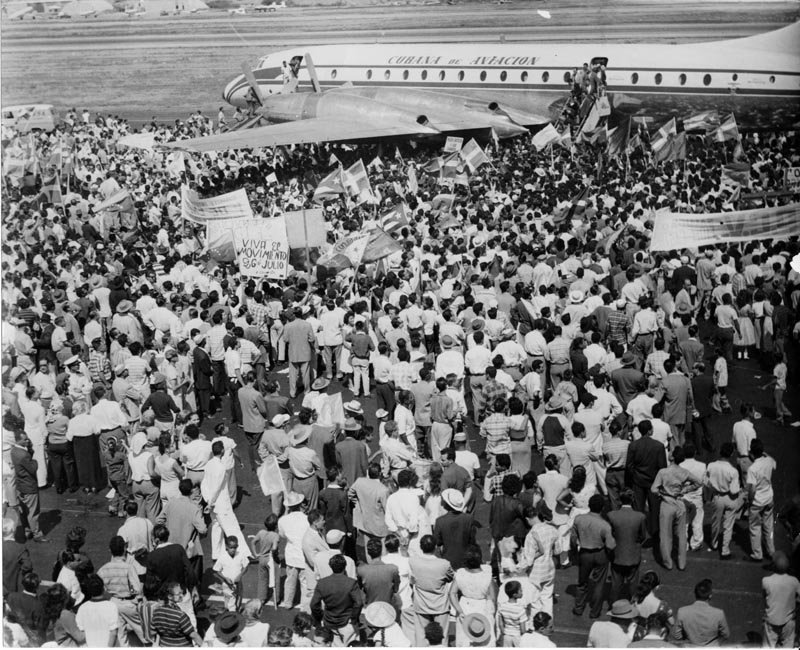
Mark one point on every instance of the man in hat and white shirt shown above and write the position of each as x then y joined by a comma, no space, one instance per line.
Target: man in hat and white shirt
292,527
304,464
274,443
618,632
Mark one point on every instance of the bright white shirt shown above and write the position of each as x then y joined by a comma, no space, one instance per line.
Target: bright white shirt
292,527
477,359
82,425
743,434
195,454
641,408
35,425
109,415
759,475
97,618
332,323
450,361
233,363
232,568
469,461
698,470
404,570
402,510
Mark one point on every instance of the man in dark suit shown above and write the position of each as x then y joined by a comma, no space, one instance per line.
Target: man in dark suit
645,457
379,581
630,531
337,602
351,454
16,559
692,351
168,561
203,371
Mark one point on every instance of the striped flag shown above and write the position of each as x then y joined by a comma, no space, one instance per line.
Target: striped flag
51,191
545,137
381,244
356,182
660,141
473,155
727,131
330,187
737,174
704,121
618,138
576,207
395,219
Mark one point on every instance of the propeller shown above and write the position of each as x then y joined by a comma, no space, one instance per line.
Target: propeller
251,80
312,72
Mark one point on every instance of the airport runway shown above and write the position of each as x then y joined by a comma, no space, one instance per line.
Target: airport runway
166,67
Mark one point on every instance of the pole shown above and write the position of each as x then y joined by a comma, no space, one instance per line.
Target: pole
305,234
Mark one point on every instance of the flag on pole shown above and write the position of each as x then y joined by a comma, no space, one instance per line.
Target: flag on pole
442,202
704,121
330,187
433,166
356,182
395,219
737,173
473,155
376,163
727,131
51,191
333,160
565,139
576,207
397,156
177,165
350,248
381,244
592,120
545,137
618,138
661,140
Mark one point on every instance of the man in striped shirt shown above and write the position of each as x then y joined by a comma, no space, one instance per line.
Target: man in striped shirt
617,327
496,429
123,586
615,453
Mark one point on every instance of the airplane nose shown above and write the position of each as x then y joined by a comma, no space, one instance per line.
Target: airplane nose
235,89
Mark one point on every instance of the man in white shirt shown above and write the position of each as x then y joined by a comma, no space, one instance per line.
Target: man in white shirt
695,497
332,321
97,618
464,457
762,502
403,506
744,432
292,527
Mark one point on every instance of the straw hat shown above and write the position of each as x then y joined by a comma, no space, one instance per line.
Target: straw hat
124,307
320,383
228,626
380,614
477,627
280,419
294,499
454,499
623,609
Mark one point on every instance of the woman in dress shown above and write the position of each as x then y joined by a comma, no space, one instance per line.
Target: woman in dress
474,592
345,369
745,337
573,501
168,469
521,434
433,492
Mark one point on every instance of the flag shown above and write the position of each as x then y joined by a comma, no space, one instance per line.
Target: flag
51,191
661,140
545,137
55,159
121,200
565,140
356,182
738,152
447,221
330,187
443,202
177,165
348,251
704,121
381,244
433,166
669,143
376,163
604,245
473,155
397,156
592,120
576,207
272,178
634,143
395,219
618,138
737,173
412,184
451,167
333,160
727,130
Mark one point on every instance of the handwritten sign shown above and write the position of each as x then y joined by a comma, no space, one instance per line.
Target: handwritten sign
792,178
453,144
262,248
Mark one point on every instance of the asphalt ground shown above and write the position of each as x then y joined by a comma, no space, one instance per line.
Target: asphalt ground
736,582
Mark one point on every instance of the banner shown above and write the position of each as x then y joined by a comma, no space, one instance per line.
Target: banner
145,140
233,205
121,198
351,247
792,178
545,137
313,233
262,248
679,230
453,144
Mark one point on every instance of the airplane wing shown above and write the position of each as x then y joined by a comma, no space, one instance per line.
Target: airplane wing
315,129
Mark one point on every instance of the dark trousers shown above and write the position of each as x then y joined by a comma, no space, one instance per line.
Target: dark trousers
62,465
252,447
203,396
196,563
615,483
647,502
623,581
87,461
592,572
236,408
219,378
385,398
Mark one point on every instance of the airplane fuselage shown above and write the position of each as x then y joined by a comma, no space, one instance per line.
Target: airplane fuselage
757,78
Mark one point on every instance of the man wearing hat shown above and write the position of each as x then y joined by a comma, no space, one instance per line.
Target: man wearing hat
303,465
227,629
382,628
454,531
618,632
127,323
477,628
292,527
335,539
273,445
627,380
351,454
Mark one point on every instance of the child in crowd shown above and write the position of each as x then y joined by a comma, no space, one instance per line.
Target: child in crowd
265,545
779,381
720,400
512,615
228,570
116,458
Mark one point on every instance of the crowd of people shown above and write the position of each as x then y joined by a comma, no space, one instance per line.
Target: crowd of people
524,386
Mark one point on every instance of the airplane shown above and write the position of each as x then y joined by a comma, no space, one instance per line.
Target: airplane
361,92
273,6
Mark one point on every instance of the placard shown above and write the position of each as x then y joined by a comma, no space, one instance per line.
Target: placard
262,248
453,144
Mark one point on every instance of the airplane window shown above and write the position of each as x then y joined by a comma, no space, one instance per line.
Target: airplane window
405,74
461,75
635,78
772,79
524,76
682,79
424,75
706,79
567,77
442,75
369,74
483,75
659,78
387,75
333,74
503,75
545,76
735,77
